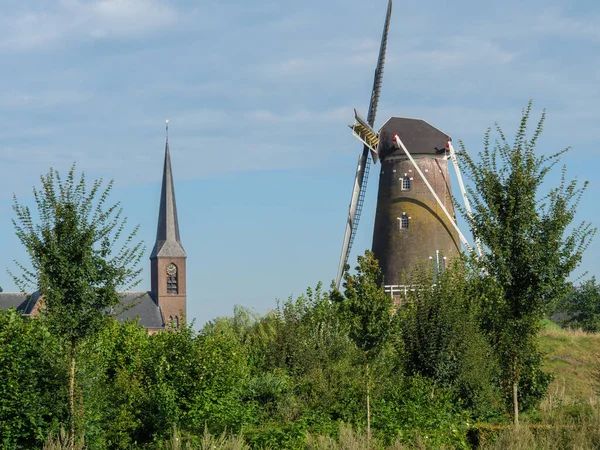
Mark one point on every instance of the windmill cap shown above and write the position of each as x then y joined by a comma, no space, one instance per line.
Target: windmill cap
419,137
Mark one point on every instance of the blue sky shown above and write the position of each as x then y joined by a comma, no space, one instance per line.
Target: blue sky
259,95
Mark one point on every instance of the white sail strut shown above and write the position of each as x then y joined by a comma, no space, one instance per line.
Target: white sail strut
400,144
463,192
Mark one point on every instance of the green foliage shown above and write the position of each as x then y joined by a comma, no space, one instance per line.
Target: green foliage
71,247
418,406
366,311
32,397
112,382
365,307
440,329
531,245
74,266
583,307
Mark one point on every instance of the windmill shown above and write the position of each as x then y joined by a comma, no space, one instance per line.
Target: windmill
414,219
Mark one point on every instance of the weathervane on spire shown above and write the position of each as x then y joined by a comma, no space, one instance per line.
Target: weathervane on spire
167,127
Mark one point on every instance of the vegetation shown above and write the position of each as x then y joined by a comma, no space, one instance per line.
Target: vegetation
293,378
367,312
582,307
531,246
71,247
572,356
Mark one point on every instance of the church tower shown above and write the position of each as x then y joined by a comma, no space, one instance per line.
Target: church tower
167,261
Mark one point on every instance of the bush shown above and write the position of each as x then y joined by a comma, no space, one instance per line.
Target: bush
583,307
440,329
33,371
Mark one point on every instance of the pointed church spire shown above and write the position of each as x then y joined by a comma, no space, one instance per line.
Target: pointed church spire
168,242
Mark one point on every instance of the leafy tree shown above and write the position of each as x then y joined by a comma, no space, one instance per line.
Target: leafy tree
440,329
530,244
110,369
367,311
583,306
31,399
71,246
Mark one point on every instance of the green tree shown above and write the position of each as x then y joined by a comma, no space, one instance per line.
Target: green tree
32,401
531,246
583,306
111,378
71,247
367,311
440,329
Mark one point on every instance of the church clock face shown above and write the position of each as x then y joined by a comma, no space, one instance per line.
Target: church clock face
171,270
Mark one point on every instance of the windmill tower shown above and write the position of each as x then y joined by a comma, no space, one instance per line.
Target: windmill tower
411,226
414,219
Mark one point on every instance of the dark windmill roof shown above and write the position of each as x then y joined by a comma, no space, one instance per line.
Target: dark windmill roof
168,242
23,303
419,137
142,305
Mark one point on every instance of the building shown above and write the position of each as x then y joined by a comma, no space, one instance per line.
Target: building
164,305
410,225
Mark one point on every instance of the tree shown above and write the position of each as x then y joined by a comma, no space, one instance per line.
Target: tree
367,311
583,306
440,329
74,266
31,398
530,244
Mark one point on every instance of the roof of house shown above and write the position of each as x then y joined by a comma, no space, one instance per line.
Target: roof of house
140,304
134,304
22,302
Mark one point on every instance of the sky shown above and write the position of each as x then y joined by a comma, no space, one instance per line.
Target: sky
259,95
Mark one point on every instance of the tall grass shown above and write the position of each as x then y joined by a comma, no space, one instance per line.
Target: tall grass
61,441
206,442
577,428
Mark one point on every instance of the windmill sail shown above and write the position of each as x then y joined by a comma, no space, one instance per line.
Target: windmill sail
362,170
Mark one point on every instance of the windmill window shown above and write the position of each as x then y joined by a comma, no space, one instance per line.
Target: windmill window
406,183
403,222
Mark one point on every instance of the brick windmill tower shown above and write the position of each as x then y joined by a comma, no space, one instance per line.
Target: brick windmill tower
414,221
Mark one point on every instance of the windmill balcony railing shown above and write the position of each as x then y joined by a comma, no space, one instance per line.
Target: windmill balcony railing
396,290
399,289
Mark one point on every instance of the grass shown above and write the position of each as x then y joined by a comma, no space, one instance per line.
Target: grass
573,357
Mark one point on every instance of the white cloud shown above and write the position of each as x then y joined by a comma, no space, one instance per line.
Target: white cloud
300,117
42,99
554,23
320,60
78,19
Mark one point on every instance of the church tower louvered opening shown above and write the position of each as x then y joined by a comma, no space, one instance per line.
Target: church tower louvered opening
168,258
